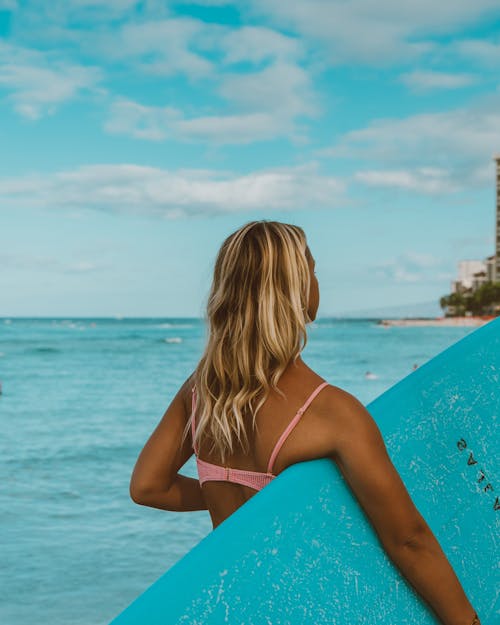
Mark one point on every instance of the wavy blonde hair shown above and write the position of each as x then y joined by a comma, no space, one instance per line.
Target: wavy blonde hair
256,319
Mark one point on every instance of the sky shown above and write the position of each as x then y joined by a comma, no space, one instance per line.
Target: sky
136,136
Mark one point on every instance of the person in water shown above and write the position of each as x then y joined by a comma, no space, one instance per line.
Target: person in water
253,407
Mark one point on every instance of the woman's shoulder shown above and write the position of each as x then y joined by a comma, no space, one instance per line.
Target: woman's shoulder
348,426
340,396
336,394
335,397
186,391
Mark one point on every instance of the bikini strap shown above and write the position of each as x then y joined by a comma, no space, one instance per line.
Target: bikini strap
292,424
193,406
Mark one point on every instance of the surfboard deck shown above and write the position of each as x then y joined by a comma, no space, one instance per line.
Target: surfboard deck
302,551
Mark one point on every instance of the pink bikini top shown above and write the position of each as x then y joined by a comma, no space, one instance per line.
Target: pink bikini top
255,479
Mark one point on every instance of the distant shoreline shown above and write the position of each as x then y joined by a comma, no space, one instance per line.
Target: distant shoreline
404,321
437,321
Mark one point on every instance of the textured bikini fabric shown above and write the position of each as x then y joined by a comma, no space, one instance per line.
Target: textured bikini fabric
254,479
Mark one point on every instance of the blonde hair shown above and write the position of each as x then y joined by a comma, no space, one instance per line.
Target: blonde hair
256,319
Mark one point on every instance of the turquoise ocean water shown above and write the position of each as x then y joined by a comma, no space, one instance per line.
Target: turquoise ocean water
80,398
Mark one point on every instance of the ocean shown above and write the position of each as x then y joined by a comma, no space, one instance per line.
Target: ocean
80,398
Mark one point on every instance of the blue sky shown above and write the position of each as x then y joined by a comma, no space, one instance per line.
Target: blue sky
135,136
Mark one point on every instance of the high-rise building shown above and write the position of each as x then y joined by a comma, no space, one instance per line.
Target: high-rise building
473,273
497,246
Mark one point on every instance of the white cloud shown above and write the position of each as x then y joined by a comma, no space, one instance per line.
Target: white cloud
429,152
142,122
208,3
38,82
158,123
282,88
429,180
172,194
421,260
412,267
371,31
235,129
256,44
116,5
483,51
8,5
192,47
161,47
149,40
259,105
84,266
264,105
331,32
64,11
480,242
426,80
48,263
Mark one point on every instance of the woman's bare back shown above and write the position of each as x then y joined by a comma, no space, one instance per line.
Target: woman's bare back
306,441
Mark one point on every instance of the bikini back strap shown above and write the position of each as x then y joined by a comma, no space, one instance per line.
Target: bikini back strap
292,424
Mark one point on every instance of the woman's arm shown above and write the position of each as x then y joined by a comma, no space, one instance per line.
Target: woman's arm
155,480
359,450
184,495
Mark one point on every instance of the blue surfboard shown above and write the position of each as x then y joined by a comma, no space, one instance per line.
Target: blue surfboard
302,551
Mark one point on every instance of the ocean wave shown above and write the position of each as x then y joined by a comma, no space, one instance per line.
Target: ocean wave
45,350
95,453
174,325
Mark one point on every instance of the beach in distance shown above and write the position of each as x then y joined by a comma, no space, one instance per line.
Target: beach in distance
79,399
474,321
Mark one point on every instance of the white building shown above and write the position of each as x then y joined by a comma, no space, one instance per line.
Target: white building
466,270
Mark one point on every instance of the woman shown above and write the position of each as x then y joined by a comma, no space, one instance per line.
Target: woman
253,407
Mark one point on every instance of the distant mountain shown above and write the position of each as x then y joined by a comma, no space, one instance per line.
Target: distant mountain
418,309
